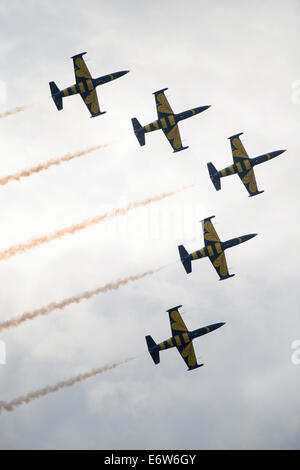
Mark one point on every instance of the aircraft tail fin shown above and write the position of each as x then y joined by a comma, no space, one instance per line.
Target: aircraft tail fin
56,95
139,131
154,353
186,261
214,176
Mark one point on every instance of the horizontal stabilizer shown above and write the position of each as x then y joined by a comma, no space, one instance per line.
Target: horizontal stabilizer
56,95
213,173
154,352
139,131
186,261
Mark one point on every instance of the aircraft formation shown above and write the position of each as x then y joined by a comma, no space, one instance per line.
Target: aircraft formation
214,248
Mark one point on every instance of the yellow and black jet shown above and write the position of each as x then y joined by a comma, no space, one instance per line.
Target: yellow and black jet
243,166
213,249
181,339
167,121
85,86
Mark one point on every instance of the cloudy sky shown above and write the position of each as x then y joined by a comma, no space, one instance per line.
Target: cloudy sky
243,60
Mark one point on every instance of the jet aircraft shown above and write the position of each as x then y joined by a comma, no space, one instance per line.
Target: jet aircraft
167,121
85,86
214,249
243,166
181,339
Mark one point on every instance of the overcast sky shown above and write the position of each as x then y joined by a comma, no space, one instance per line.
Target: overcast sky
243,60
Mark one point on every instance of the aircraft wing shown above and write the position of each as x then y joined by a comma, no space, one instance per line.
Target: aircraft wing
91,101
169,126
173,136
80,69
242,162
86,88
162,104
183,343
214,248
176,322
209,232
220,265
187,353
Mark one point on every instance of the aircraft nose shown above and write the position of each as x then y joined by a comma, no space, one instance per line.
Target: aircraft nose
119,74
248,237
201,108
215,326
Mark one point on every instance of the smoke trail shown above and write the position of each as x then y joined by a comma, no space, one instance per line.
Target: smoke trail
12,111
11,405
34,242
48,164
16,321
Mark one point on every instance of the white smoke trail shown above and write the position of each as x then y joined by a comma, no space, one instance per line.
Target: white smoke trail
44,166
11,405
12,111
71,230
16,321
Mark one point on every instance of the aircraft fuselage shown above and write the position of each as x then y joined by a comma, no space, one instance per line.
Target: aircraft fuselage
171,119
184,338
217,248
87,85
247,164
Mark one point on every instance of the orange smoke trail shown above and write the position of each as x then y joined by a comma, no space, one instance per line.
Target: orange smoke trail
16,321
12,111
34,242
48,164
11,405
